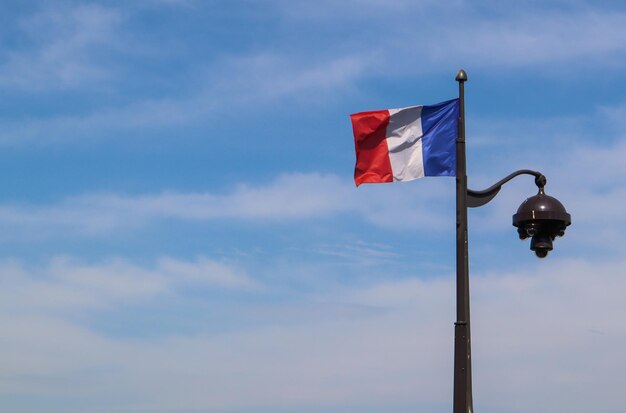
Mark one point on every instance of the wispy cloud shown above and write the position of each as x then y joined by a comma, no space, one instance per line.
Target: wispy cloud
68,285
288,197
70,47
104,124
526,34
64,47
582,157
529,38
233,83
266,76
523,321
587,180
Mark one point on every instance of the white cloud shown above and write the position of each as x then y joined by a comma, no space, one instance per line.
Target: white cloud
268,76
68,285
65,55
532,38
103,124
64,49
586,179
326,11
460,32
206,272
555,332
288,197
550,329
582,158
233,82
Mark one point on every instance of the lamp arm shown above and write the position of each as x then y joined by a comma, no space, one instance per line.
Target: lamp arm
480,198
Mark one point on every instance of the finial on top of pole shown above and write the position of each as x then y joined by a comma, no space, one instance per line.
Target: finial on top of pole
461,76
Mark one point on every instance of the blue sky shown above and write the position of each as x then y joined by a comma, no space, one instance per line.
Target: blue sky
180,232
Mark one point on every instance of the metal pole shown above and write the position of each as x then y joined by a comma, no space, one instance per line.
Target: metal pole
462,342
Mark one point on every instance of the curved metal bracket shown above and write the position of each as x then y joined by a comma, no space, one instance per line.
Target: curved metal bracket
480,198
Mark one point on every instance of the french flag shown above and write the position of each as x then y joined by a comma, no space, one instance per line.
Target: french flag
404,144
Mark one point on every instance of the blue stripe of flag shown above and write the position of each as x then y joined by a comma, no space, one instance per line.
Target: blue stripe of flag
440,131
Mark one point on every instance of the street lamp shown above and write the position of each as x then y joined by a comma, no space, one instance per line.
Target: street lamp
540,217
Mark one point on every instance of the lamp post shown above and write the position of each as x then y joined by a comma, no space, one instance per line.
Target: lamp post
540,217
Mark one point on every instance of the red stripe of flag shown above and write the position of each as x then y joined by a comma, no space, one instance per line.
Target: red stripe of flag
372,154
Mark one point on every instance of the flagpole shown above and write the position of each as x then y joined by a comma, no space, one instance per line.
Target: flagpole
462,342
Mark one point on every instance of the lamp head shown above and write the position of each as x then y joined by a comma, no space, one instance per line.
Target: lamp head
541,218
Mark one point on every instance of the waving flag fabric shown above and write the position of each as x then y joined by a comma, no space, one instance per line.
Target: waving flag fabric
405,144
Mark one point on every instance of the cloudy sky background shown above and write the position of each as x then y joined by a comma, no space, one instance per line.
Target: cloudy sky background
180,232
